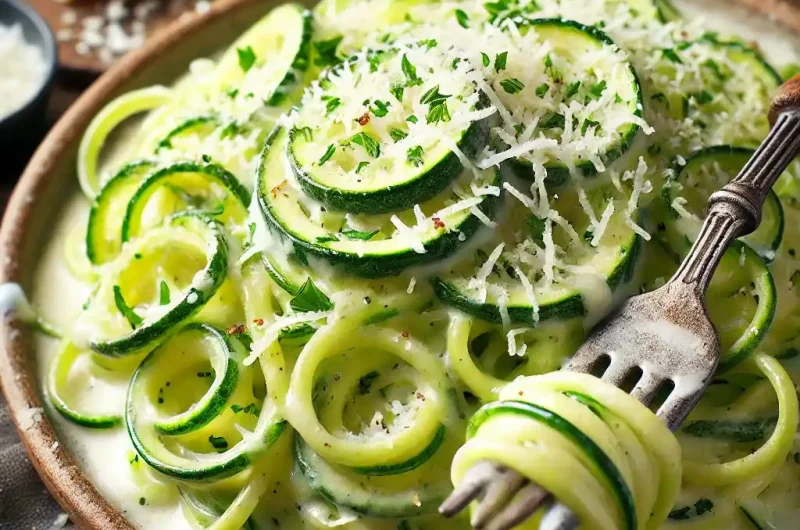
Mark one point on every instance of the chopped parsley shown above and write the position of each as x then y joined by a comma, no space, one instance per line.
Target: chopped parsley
414,156
512,86
134,319
411,118
671,55
381,108
552,120
596,90
357,234
397,92
247,58
536,227
218,442
542,90
554,74
437,105
326,51
327,239
331,103
485,59
310,298
328,154
163,296
587,123
500,61
410,72
249,409
703,97
573,88
366,141
463,19
397,134
361,166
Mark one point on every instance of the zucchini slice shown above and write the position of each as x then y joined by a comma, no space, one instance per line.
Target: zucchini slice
396,496
700,101
185,186
604,100
159,380
269,58
742,300
57,383
484,292
705,172
594,454
357,144
103,242
196,125
390,245
189,254
113,114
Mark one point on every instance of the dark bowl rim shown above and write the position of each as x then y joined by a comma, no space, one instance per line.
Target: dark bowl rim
50,48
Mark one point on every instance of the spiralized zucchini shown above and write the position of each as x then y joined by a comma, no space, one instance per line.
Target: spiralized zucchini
332,269
623,464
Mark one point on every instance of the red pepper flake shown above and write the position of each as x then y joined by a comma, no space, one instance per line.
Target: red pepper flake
404,334
258,322
420,396
277,189
363,120
438,223
236,330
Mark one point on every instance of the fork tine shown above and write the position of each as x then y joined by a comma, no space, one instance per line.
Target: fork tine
675,409
475,480
647,388
559,517
497,494
616,373
524,504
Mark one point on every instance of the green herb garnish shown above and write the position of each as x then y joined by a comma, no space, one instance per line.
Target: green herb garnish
310,298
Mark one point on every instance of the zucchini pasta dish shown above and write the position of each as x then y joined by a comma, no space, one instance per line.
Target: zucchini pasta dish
329,270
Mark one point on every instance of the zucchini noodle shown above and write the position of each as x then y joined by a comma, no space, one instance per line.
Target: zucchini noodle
340,263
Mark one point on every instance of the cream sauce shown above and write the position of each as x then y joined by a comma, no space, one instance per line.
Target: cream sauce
104,455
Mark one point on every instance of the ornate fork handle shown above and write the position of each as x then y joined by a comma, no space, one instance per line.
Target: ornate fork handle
735,210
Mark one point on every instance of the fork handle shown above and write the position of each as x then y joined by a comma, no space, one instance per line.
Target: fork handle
735,210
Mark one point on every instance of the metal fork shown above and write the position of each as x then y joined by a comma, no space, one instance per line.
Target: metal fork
664,335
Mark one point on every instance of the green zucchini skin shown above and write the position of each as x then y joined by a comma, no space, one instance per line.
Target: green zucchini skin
570,306
202,416
616,481
391,199
567,307
148,336
358,496
738,156
100,210
411,463
558,174
214,172
368,265
195,122
735,431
